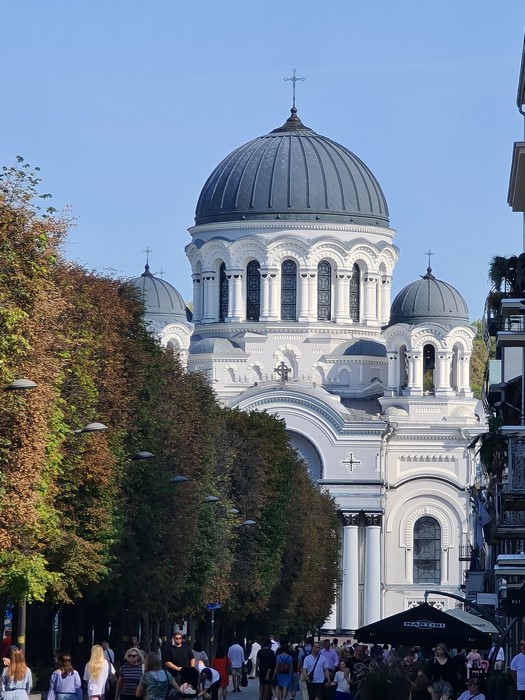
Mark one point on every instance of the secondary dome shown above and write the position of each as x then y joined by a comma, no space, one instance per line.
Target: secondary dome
429,299
292,174
162,302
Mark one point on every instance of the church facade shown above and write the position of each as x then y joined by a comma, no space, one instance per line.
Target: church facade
292,259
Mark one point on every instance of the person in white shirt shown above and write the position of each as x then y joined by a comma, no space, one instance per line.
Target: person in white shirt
97,672
517,671
275,644
499,661
473,691
236,658
315,673
253,657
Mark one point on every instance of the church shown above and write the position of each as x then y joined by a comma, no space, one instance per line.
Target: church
292,259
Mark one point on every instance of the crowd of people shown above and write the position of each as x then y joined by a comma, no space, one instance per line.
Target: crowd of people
317,670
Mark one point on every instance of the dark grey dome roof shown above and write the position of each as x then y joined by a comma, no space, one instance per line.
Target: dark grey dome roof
214,346
369,348
292,174
162,302
429,299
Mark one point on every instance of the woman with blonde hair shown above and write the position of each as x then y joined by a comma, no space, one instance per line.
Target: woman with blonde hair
129,675
16,677
65,682
97,672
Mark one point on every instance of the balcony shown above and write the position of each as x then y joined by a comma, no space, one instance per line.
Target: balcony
510,494
511,331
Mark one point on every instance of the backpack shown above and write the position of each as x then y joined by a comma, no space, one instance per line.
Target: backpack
283,665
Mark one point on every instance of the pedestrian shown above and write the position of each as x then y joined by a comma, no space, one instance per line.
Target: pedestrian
109,654
129,674
473,661
65,683
442,674
421,690
178,656
253,657
210,682
499,660
221,664
16,677
236,657
283,672
96,673
265,667
200,656
359,665
410,667
342,682
473,691
517,671
275,644
155,682
315,673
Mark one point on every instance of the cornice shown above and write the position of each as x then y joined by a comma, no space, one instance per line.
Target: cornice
261,226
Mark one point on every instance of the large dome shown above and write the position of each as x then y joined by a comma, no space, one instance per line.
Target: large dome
292,174
429,299
162,302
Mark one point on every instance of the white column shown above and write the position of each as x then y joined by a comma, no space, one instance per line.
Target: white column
342,297
330,624
350,587
370,306
393,370
197,298
415,373
463,374
312,297
230,298
303,297
385,291
274,311
211,303
265,296
442,379
237,306
372,588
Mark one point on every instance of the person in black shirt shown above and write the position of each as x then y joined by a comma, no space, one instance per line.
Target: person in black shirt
265,666
178,656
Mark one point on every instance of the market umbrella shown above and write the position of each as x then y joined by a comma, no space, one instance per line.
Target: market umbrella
473,620
425,626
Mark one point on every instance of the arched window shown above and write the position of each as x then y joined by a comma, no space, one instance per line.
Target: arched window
355,286
288,290
253,291
427,551
324,291
403,367
429,365
223,293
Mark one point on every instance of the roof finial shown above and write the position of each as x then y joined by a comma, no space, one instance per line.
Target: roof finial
294,79
146,266
429,274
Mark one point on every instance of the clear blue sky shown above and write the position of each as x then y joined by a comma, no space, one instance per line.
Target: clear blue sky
128,105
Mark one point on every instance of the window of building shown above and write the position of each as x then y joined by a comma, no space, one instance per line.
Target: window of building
223,294
427,551
324,291
355,286
429,365
288,290
253,291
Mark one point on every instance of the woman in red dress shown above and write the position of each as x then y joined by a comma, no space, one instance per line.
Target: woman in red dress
220,664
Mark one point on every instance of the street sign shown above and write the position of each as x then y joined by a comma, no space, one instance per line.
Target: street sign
487,599
213,606
515,602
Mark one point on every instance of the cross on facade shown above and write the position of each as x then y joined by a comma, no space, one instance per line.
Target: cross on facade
283,371
294,79
147,251
429,253
351,461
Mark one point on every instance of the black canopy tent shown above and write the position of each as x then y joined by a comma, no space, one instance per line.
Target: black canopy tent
424,626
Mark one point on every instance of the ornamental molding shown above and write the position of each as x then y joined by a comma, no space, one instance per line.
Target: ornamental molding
373,519
438,604
351,519
383,231
430,511
419,458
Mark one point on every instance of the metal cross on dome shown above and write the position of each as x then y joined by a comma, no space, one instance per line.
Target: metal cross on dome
294,79
351,461
429,253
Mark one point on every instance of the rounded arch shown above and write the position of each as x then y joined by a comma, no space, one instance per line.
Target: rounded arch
431,511
289,287
277,255
325,281
309,453
256,371
253,290
326,252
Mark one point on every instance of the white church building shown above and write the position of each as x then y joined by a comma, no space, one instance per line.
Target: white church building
292,259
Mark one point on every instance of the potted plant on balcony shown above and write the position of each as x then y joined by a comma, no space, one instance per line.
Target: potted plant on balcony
491,447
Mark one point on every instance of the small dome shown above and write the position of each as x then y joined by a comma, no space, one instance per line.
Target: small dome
370,348
429,299
292,174
162,302
214,346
